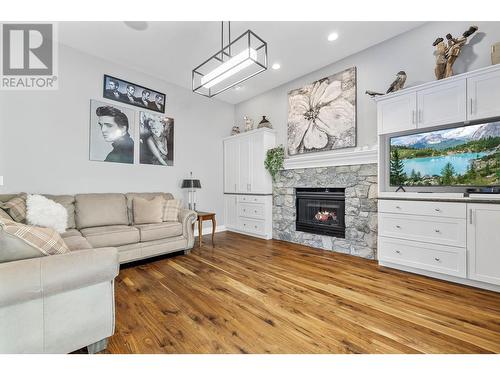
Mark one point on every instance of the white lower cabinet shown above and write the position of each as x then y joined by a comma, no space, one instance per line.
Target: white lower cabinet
483,242
249,214
458,239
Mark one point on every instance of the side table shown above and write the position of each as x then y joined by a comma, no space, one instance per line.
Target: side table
205,216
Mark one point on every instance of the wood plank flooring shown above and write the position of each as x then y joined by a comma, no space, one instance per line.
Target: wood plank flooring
253,296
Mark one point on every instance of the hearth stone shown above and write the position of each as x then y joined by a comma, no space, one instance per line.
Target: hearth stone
360,183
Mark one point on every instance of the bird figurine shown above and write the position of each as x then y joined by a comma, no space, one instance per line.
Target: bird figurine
398,84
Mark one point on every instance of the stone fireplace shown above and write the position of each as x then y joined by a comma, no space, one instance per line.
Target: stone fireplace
320,211
359,183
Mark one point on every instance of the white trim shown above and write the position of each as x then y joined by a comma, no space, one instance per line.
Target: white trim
208,229
361,155
250,132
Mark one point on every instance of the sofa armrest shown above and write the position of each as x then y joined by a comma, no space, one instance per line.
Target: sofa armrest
29,279
187,219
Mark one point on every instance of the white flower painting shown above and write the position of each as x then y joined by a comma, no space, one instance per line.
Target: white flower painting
322,115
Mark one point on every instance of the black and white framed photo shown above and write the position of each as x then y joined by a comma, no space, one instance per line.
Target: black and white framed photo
156,139
111,133
133,94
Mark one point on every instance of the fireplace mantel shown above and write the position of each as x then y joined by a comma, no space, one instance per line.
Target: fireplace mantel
353,156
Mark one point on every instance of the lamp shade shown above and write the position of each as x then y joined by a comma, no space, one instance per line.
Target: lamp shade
191,183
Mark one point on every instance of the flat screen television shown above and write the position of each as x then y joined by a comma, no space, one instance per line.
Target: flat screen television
459,156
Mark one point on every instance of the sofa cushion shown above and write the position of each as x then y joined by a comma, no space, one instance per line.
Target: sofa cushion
111,235
13,248
77,243
97,210
68,201
44,212
148,211
4,215
151,232
131,196
16,207
172,209
46,240
71,233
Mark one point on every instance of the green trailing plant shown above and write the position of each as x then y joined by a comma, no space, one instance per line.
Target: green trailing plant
274,160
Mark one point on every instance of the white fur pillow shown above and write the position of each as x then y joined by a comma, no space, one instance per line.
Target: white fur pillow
45,212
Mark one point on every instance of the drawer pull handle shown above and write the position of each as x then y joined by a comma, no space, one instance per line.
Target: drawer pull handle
244,225
255,211
244,210
398,252
398,226
398,207
437,259
437,231
255,226
437,209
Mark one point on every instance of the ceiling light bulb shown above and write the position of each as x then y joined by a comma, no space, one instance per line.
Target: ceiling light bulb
332,37
276,66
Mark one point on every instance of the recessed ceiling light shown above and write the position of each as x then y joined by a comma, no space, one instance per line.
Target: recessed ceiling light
237,88
276,66
332,37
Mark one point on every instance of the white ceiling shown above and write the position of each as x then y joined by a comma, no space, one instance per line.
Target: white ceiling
170,50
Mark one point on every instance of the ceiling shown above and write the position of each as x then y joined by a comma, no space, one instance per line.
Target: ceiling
170,50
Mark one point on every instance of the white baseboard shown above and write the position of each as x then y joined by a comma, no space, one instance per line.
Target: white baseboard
208,229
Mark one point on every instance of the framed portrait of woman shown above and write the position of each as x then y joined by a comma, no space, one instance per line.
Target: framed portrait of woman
156,139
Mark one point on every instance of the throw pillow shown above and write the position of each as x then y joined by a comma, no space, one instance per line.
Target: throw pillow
16,208
4,215
13,248
44,212
172,209
46,240
148,211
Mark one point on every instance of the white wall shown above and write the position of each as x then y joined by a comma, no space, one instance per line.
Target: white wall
376,69
44,137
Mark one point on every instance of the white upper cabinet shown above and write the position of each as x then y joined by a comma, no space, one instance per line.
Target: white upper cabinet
483,91
442,104
483,239
467,97
231,165
244,155
397,113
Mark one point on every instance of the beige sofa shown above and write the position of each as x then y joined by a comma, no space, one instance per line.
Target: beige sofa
61,303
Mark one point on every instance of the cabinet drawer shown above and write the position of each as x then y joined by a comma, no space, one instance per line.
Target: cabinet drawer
252,199
437,209
444,231
253,210
253,226
436,258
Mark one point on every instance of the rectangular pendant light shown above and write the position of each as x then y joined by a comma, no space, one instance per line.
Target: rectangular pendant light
229,68
241,59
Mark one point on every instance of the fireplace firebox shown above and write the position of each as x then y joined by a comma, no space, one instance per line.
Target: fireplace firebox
320,211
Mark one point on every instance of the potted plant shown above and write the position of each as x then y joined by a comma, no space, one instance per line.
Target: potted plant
274,160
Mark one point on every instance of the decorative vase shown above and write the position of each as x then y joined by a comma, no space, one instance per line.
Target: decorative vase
264,123
235,130
248,123
495,53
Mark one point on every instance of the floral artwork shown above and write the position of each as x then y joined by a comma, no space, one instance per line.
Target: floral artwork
322,115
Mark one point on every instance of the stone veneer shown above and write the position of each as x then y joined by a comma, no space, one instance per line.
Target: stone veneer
360,183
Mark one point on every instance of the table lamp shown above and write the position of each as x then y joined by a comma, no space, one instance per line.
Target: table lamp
192,185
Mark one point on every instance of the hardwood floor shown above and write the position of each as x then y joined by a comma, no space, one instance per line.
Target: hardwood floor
253,296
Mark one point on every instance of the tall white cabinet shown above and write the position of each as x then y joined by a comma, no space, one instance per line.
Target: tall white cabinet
247,184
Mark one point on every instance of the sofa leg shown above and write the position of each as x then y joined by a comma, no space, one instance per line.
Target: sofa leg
98,346
187,251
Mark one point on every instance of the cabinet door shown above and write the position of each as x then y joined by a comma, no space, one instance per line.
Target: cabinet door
483,239
260,182
483,93
231,211
397,114
245,165
231,165
442,104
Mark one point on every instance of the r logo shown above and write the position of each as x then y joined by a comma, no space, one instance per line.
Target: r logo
27,49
